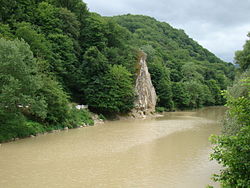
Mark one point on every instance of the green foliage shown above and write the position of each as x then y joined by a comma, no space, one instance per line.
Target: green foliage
94,32
101,116
26,93
187,61
19,91
118,82
15,125
181,95
240,108
196,92
238,103
11,125
161,80
21,10
47,18
63,58
160,109
232,149
34,128
79,117
215,92
5,31
242,57
94,61
233,152
169,43
112,93
192,71
78,7
69,23
57,102
38,44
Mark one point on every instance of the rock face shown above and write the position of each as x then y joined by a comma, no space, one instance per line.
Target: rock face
146,95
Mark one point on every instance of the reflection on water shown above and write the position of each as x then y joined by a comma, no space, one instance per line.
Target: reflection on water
169,151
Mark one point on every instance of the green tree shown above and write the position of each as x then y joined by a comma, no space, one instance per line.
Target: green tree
192,71
181,95
58,109
5,31
17,11
38,43
238,103
20,79
69,23
89,73
232,149
47,18
19,89
27,94
64,61
93,33
112,93
161,80
242,57
233,152
197,92
215,91
118,82
94,62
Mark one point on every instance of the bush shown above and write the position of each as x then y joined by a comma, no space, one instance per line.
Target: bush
112,93
15,125
34,127
11,126
232,149
160,109
101,116
79,117
233,152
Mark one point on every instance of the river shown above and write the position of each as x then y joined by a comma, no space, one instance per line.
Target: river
171,151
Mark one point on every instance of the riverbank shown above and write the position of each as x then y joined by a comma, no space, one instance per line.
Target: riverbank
28,127
98,120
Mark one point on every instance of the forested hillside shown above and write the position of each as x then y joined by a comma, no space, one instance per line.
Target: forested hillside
178,64
56,52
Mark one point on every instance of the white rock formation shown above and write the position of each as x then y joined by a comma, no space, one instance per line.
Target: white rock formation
145,91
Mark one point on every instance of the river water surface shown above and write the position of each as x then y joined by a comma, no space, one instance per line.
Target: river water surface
164,152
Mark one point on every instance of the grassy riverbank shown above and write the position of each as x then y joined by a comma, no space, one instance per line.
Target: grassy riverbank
24,127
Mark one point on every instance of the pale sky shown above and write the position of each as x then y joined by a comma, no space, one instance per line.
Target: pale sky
220,26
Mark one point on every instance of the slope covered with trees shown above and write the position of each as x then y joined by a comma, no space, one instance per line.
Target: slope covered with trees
178,64
55,52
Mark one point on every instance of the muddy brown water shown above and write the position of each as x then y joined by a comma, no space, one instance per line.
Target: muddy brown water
163,152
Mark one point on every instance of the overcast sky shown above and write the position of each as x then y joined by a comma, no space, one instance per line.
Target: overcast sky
220,26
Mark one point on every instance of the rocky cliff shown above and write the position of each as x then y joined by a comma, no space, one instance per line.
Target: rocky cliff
145,91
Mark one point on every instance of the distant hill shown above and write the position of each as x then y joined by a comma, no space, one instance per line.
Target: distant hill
170,43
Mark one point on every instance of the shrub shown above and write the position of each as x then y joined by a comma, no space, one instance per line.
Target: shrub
160,109
79,117
232,149
233,152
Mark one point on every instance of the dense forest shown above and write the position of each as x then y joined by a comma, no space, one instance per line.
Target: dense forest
178,64
55,54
